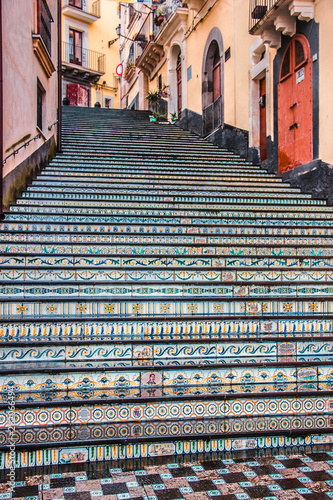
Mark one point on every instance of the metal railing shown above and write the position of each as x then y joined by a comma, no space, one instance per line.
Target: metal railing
89,59
90,6
212,116
44,23
258,10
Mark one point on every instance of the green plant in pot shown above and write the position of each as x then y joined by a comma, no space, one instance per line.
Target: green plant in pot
152,97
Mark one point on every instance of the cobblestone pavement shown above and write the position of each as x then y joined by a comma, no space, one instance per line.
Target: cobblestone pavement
292,477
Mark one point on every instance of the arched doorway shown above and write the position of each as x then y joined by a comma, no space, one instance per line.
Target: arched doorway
212,83
295,121
175,80
179,85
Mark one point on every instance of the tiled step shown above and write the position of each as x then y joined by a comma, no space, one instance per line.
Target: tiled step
172,249
237,281
178,419
267,228
115,329
170,306
49,238
83,214
162,353
159,290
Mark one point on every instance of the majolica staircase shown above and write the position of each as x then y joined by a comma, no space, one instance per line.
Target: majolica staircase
162,296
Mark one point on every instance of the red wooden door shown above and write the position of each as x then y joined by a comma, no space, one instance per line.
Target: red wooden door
263,130
295,105
72,93
179,87
77,95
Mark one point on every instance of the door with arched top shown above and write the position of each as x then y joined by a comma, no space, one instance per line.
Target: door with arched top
295,105
179,85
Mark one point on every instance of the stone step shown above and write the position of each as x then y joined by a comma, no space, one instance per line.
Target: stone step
143,330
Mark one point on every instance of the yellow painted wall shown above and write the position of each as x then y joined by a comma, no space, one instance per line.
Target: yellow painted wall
324,16
230,16
100,32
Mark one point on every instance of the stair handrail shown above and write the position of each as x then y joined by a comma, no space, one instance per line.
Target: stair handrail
13,153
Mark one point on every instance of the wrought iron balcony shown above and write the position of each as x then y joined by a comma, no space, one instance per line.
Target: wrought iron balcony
259,9
279,15
86,63
83,10
44,20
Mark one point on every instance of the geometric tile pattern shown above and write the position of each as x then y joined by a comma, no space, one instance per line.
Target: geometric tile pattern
294,476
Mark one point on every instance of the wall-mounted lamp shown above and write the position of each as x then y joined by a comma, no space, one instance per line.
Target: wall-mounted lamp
118,29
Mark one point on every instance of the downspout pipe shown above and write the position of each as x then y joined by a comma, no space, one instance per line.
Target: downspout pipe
59,129
1,113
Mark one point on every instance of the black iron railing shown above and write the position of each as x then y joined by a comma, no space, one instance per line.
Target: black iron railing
89,59
212,116
90,6
44,20
258,10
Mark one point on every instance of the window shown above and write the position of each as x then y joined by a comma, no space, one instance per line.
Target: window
76,3
299,53
40,99
75,47
285,69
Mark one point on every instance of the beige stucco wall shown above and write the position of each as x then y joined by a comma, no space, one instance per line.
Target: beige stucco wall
100,32
21,70
324,16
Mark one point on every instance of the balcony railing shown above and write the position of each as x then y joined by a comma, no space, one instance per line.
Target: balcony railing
87,59
92,7
258,10
44,20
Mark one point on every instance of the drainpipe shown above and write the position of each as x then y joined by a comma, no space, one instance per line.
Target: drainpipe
59,137
1,112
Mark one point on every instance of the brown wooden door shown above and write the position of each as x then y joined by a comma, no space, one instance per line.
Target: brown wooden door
179,87
216,81
295,105
262,115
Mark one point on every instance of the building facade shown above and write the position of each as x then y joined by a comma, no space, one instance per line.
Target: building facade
29,111
291,127
229,71
88,60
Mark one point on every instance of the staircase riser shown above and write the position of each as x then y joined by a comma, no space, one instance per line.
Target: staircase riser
159,354
111,330
172,307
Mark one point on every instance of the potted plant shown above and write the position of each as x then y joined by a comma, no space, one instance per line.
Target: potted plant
152,97
174,117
